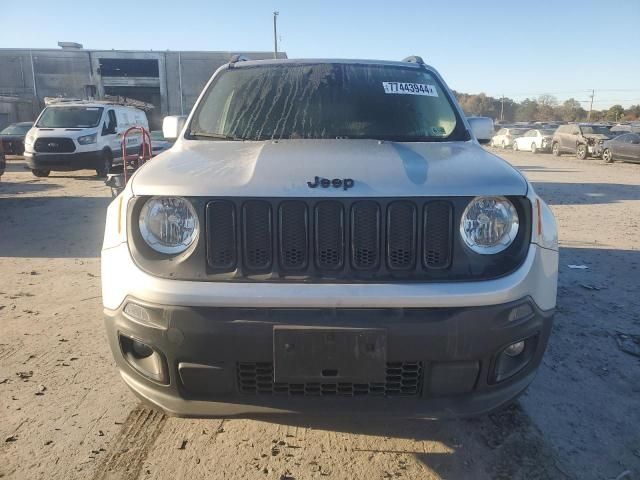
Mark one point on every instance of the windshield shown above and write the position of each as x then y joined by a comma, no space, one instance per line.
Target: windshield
70,117
16,129
320,101
548,131
595,129
518,131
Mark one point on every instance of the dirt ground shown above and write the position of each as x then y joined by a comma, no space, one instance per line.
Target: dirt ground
65,413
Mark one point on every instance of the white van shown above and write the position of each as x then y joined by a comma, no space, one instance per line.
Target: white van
77,135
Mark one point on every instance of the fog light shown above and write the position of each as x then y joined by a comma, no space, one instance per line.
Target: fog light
513,358
144,359
140,349
515,349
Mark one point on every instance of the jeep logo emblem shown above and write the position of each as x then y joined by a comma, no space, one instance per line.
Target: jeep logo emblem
345,183
52,145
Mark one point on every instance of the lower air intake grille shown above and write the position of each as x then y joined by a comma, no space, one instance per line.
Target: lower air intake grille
403,379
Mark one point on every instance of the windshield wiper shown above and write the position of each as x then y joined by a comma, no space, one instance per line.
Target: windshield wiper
216,136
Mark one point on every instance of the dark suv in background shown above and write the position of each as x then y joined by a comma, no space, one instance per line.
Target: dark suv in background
3,162
582,140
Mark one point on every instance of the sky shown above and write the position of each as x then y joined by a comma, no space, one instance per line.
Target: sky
518,49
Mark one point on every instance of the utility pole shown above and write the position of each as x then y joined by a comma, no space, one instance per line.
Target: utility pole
593,93
275,34
502,110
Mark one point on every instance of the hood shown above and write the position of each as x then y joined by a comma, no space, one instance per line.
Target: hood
62,132
11,136
283,168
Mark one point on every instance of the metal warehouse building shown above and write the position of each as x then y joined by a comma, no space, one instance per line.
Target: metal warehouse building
170,80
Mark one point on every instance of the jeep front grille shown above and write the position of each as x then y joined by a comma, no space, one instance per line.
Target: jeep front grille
403,379
340,239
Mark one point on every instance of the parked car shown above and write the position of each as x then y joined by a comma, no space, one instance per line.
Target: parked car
12,137
625,128
158,143
536,140
581,139
77,135
328,253
505,136
3,161
623,147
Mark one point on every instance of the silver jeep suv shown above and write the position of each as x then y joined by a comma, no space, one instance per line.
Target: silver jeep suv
328,235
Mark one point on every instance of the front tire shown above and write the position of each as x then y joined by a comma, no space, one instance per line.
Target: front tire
581,151
515,146
107,163
504,145
534,148
555,149
40,172
607,156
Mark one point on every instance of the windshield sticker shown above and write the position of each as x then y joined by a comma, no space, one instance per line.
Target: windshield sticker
440,131
403,88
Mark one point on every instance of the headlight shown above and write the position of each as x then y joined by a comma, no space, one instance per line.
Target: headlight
88,139
489,224
168,224
29,139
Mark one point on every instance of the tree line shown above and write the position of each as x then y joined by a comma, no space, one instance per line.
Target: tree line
541,109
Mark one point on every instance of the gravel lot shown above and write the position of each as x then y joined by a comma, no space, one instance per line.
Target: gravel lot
64,413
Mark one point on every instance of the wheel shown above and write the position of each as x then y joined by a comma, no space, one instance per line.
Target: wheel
504,145
105,168
581,151
492,143
607,156
40,172
555,149
515,146
534,148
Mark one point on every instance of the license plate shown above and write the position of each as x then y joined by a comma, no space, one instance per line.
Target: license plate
329,355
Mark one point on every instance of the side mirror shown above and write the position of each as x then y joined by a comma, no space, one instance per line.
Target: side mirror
482,128
172,126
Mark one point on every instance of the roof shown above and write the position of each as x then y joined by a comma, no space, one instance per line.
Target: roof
303,61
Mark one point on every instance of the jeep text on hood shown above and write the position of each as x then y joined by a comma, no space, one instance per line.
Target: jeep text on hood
328,235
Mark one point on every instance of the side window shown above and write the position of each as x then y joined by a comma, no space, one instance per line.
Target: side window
110,124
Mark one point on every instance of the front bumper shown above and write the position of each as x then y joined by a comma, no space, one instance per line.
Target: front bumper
64,162
12,146
205,332
209,354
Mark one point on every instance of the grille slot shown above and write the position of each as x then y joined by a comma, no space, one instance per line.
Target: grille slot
221,238
329,230
365,235
256,235
294,240
437,234
54,145
401,235
403,379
